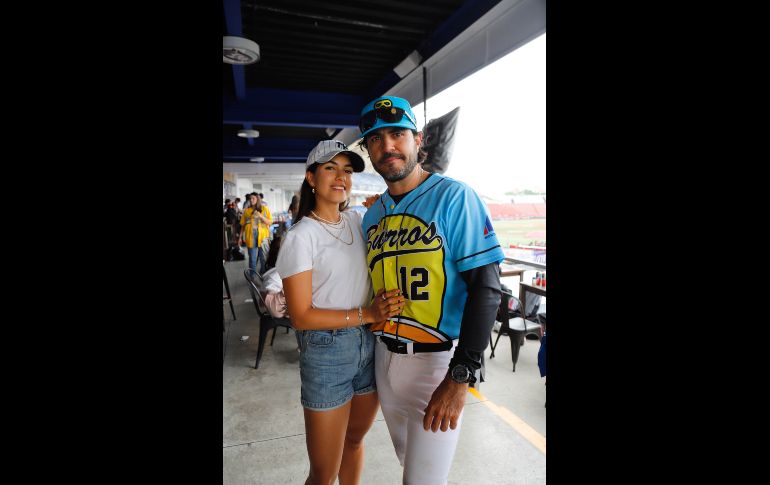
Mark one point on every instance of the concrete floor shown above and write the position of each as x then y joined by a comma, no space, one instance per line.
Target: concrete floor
263,439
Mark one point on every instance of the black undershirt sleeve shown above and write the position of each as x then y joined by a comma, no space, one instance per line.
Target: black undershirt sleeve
479,314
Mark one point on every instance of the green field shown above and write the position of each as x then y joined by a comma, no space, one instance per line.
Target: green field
522,231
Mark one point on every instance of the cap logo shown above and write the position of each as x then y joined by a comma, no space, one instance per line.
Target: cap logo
383,103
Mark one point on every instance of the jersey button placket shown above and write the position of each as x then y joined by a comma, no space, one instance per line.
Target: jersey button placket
389,268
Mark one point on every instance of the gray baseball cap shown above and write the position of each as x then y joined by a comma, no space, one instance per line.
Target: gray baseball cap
328,149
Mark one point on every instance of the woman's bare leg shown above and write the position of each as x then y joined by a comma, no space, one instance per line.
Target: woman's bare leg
325,435
362,414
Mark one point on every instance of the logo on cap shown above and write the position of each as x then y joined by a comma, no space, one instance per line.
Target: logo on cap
383,103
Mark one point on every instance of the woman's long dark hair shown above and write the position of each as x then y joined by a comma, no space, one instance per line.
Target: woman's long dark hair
272,254
307,198
293,204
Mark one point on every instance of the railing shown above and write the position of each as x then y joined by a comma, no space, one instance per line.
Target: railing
525,262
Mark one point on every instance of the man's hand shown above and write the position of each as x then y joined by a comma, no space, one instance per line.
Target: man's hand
445,405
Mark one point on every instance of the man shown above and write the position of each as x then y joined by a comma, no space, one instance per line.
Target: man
431,237
238,213
231,219
247,202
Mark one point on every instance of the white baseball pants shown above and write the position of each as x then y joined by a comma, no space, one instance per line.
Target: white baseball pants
405,384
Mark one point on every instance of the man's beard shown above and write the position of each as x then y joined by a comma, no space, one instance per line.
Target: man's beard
395,175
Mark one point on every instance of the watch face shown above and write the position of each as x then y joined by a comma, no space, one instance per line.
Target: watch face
460,373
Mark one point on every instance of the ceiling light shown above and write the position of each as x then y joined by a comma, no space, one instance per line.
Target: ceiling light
248,133
237,50
257,159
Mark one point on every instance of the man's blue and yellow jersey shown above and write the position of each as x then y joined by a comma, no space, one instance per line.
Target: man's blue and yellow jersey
421,245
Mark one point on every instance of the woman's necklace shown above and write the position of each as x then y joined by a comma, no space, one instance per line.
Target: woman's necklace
342,228
339,221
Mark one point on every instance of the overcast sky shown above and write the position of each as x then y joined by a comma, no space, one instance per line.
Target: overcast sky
500,136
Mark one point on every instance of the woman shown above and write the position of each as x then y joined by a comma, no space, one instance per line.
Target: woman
292,211
325,279
255,223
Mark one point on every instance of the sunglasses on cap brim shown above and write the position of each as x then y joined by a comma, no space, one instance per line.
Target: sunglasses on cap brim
388,115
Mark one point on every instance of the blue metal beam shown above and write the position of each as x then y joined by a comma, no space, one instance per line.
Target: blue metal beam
269,144
234,24
288,154
283,107
296,100
297,157
239,115
270,148
233,19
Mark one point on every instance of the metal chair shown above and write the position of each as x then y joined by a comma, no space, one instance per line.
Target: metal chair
541,352
266,320
512,324
228,298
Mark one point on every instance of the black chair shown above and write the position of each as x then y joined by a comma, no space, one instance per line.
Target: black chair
266,320
541,353
513,325
228,298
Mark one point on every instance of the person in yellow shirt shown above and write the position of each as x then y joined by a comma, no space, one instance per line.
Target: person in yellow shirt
255,227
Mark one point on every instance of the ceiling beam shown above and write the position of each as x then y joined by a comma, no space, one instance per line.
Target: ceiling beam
285,107
233,19
234,24
234,115
348,19
270,144
269,148
244,155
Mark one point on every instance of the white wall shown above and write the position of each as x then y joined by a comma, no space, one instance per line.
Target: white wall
243,187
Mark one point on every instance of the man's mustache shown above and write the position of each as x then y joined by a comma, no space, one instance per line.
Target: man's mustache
390,155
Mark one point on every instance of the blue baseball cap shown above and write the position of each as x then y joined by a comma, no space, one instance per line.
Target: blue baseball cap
386,111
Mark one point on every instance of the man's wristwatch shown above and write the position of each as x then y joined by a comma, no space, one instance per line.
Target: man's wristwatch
461,374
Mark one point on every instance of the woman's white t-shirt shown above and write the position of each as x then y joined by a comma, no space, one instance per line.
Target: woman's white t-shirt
340,278
271,281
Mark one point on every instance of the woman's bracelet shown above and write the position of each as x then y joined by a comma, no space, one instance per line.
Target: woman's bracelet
360,316
347,318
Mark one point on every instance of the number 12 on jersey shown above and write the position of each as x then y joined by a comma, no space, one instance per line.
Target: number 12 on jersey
419,279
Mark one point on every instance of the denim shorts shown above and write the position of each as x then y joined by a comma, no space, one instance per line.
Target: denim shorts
334,365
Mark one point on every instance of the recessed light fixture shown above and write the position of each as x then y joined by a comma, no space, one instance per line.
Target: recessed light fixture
237,50
257,159
248,133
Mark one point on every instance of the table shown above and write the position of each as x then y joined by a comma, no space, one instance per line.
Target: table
525,288
512,270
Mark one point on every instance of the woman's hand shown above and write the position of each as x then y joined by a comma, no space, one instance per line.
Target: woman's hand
370,200
386,304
